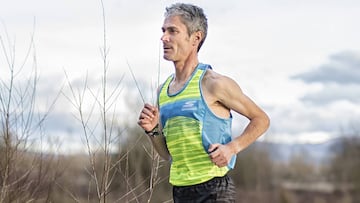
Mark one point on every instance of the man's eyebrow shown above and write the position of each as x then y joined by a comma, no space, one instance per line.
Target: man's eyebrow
169,28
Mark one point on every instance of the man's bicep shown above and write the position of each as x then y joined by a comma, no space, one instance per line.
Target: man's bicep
234,98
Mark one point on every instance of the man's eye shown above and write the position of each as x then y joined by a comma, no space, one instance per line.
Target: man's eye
173,31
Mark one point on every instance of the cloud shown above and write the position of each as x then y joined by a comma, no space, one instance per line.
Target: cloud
299,122
343,68
297,117
339,80
334,92
330,104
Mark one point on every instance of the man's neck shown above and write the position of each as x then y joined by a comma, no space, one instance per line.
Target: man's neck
183,70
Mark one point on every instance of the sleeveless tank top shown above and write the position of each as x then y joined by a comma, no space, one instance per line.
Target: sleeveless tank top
189,127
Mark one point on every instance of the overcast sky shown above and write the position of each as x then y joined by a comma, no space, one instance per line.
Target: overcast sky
299,60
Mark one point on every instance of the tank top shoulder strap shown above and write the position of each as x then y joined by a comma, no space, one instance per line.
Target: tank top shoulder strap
203,66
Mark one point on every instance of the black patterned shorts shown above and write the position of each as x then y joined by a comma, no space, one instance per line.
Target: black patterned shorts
216,190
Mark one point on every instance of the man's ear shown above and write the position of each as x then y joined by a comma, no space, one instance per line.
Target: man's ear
197,37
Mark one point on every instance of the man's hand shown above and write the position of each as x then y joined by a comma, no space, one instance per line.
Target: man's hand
220,154
149,117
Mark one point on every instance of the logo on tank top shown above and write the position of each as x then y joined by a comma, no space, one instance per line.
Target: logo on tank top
189,106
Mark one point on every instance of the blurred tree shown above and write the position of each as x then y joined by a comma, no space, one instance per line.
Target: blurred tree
300,168
143,176
254,169
345,164
25,175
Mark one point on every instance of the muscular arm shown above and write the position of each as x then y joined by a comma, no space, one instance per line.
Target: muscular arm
222,95
148,119
160,146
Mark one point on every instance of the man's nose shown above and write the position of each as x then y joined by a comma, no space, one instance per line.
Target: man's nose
164,37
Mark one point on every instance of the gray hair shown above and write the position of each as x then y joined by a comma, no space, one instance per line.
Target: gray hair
192,16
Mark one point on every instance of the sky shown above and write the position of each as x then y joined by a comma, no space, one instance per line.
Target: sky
298,60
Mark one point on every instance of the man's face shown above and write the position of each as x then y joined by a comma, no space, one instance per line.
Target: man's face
176,41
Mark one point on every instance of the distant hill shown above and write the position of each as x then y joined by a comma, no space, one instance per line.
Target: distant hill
317,153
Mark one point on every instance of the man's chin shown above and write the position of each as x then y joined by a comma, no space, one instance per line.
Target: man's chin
167,58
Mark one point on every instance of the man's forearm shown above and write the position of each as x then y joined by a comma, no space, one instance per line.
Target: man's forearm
159,144
255,129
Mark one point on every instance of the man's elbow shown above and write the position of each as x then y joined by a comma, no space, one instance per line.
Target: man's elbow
265,121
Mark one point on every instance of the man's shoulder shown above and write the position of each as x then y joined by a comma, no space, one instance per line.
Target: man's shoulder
217,82
213,76
213,80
